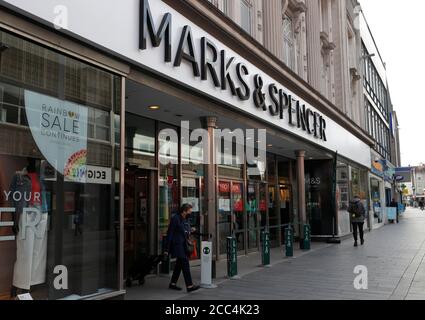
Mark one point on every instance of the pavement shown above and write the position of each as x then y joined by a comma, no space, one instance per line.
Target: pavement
394,257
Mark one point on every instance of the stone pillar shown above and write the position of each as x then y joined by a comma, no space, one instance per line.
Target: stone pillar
209,123
272,21
301,191
313,43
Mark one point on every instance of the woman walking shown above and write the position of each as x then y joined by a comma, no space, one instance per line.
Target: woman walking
179,246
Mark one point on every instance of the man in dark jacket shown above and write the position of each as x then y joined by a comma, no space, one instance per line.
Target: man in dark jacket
357,217
178,235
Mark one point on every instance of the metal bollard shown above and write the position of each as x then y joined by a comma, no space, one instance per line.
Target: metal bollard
289,242
232,258
306,243
265,241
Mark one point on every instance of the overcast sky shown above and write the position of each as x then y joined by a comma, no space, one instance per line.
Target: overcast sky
398,28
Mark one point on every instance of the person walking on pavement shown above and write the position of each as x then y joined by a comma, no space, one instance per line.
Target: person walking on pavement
357,217
179,246
421,204
394,204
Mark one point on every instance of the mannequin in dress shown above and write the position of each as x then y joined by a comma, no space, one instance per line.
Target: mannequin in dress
30,229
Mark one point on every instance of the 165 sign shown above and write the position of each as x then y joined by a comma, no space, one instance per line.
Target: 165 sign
226,74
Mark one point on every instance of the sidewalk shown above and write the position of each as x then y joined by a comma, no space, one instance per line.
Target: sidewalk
156,288
394,256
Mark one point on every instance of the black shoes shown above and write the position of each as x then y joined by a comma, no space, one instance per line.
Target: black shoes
174,287
361,242
194,288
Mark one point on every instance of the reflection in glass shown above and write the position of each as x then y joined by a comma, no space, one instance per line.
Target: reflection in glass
224,215
81,220
168,181
140,141
238,214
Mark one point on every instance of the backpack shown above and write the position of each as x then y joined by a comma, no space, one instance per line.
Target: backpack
355,209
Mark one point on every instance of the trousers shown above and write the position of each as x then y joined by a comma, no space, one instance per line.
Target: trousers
182,264
358,225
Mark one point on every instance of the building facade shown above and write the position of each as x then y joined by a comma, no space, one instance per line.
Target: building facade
382,124
101,124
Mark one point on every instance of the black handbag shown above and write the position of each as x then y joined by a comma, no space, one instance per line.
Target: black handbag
190,246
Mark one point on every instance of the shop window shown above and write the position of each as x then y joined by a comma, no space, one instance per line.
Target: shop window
231,159
71,180
99,124
257,170
377,206
342,198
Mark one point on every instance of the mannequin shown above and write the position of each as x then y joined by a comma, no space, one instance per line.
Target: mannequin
30,229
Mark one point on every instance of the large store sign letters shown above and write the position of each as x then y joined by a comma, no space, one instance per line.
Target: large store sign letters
227,73
59,129
129,23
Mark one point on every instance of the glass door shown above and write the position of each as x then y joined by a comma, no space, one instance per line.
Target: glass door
136,216
224,215
285,195
238,217
262,217
252,211
191,194
273,218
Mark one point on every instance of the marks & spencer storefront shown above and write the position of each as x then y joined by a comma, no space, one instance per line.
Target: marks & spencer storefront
69,101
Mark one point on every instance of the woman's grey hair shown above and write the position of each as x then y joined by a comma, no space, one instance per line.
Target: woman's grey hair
185,207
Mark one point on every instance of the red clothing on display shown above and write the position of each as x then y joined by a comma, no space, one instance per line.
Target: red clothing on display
35,189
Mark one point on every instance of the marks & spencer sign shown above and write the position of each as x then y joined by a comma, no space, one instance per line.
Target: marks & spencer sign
169,44
226,73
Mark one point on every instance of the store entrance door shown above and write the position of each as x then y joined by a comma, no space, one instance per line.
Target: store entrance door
137,217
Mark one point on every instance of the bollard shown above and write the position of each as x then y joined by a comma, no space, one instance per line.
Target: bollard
306,242
166,262
206,265
232,258
289,242
265,241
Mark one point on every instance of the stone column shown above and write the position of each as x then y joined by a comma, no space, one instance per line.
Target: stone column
313,43
272,22
209,123
301,191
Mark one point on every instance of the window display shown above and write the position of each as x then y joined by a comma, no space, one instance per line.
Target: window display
342,198
56,131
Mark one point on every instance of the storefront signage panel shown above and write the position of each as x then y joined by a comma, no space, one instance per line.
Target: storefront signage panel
122,36
59,129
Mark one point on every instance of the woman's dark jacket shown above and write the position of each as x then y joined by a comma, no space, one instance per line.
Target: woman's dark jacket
177,235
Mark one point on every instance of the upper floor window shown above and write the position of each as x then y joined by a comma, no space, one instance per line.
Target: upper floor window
246,9
288,42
